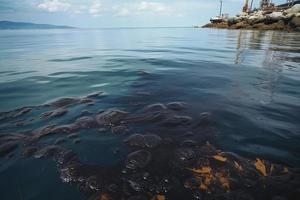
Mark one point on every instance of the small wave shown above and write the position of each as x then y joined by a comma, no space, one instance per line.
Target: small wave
70,59
99,85
20,73
6,72
42,82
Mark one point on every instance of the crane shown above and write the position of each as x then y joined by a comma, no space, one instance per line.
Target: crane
264,3
246,6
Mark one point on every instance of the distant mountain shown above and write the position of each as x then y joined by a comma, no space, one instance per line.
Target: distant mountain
25,25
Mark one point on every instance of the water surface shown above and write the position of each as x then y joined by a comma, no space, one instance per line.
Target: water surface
248,80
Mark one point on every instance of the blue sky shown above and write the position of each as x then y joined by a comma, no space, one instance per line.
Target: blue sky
117,13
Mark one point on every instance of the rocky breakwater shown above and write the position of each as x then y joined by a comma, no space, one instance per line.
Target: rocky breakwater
288,20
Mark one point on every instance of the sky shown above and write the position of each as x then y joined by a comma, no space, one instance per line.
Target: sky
117,13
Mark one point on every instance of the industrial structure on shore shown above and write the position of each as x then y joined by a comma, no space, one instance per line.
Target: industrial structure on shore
265,5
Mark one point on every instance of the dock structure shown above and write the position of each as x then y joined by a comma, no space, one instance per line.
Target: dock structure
265,4
221,17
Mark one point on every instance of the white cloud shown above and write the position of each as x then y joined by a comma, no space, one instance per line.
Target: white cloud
123,12
143,7
54,6
62,6
79,9
152,7
96,8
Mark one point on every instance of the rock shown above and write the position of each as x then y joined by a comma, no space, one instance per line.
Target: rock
273,17
280,25
177,106
56,113
256,19
86,122
241,25
263,20
143,141
7,148
233,20
276,15
138,159
288,17
110,117
295,22
274,26
293,10
216,25
259,26
177,120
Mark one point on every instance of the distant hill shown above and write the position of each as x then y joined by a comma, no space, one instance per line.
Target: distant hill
25,25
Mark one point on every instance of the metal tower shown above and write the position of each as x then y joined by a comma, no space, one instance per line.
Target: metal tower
264,3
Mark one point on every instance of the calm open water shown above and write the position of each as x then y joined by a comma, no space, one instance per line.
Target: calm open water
248,80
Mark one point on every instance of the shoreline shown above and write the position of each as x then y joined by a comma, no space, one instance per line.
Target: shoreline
287,20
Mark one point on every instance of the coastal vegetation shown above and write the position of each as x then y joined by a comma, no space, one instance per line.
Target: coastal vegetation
6,25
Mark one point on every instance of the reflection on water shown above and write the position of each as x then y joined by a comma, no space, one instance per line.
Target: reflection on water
273,56
239,90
